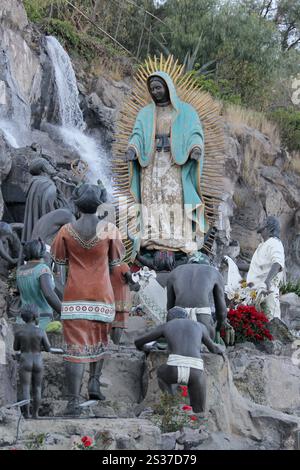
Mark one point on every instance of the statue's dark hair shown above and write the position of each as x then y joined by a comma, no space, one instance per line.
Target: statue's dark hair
273,226
5,226
34,249
29,313
164,260
176,313
88,197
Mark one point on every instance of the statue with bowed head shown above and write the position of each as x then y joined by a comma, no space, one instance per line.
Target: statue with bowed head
184,365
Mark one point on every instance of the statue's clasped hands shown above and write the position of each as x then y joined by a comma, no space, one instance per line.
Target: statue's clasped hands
130,155
196,154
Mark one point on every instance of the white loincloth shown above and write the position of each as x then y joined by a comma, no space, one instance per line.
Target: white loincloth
193,312
184,364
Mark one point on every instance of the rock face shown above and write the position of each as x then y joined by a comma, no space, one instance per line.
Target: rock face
290,310
259,182
8,367
244,398
107,434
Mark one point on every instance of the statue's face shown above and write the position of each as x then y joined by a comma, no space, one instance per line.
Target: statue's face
158,91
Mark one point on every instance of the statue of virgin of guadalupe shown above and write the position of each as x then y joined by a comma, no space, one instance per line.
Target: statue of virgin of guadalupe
165,158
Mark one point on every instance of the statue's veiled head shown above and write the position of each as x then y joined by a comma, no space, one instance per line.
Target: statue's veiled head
158,89
88,197
269,228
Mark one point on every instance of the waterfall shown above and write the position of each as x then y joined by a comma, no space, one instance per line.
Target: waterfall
71,117
68,96
91,152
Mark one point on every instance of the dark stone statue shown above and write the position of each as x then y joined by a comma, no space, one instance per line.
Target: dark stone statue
49,225
10,245
36,284
191,286
91,249
42,196
185,365
31,340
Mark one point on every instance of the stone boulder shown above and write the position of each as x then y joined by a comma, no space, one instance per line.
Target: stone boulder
290,310
238,416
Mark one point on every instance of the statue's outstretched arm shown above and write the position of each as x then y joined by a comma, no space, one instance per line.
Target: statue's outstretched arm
152,336
275,269
48,291
45,342
211,346
220,304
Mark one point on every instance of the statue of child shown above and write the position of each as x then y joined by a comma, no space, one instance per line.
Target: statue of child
31,340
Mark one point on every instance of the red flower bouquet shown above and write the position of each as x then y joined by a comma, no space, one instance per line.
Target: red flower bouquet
249,324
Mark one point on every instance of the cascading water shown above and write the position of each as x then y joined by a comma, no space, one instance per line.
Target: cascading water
7,128
68,96
71,117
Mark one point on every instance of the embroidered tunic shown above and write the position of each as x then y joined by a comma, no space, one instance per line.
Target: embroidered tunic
88,306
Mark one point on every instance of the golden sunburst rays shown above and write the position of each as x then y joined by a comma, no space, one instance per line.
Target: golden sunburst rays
211,182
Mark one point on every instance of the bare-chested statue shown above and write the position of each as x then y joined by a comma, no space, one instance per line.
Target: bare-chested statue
191,286
49,224
184,365
31,340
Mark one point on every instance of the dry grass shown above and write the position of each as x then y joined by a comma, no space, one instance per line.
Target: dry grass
239,117
293,163
108,68
256,151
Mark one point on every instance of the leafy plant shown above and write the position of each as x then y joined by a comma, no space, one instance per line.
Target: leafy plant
36,441
288,121
290,287
172,413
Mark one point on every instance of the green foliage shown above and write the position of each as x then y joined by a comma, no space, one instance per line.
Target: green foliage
220,89
36,441
169,415
288,121
35,10
290,287
65,31
243,52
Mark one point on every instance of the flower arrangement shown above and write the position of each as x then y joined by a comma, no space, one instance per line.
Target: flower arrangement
249,324
244,294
